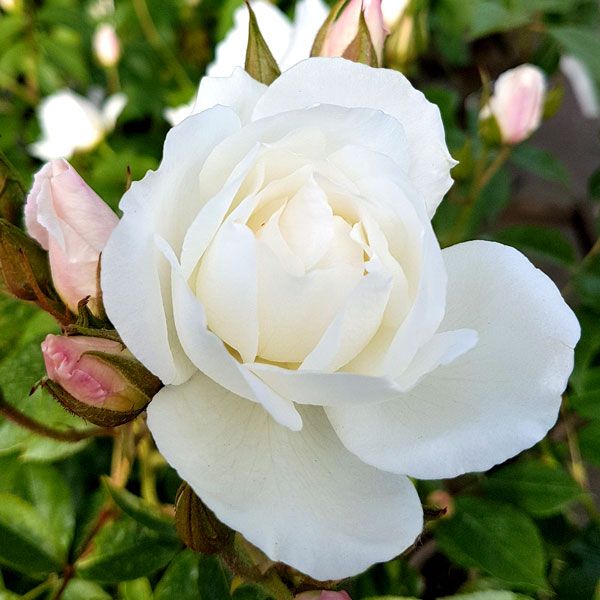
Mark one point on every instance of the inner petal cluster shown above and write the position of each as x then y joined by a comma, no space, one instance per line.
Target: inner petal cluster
300,273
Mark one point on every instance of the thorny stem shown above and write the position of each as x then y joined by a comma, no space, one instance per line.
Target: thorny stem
69,435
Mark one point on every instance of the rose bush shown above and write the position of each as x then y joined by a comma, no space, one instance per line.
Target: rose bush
280,274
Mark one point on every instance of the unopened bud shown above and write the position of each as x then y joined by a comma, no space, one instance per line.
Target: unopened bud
344,31
97,378
197,525
73,224
106,45
517,103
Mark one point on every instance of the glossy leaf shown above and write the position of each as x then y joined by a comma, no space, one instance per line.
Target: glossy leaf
125,550
27,542
141,511
539,489
497,539
181,579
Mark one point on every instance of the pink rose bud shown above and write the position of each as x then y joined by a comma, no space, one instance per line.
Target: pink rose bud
106,45
344,30
323,595
518,103
97,378
73,224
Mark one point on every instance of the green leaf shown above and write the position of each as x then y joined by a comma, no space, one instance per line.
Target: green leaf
139,510
27,542
248,591
583,43
544,242
496,538
540,163
125,550
260,63
212,580
587,404
180,579
136,589
539,489
491,17
47,490
79,589
594,185
487,595
579,579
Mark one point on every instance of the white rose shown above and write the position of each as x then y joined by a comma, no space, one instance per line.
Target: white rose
289,41
71,123
280,274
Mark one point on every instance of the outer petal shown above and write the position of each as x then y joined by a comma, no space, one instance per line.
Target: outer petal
239,91
345,83
299,496
493,401
135,275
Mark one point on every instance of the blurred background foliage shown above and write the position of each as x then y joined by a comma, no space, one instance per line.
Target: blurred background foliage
527,529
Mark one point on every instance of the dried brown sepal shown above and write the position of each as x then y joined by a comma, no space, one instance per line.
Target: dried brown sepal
98,416
260,63
25,271
197,525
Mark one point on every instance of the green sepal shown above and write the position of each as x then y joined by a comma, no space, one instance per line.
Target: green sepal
361,48
103,417
260,63
12,192
131,370
321,36
197,525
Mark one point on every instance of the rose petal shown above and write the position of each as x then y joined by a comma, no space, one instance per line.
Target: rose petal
135,277
344,83
492,402
288,493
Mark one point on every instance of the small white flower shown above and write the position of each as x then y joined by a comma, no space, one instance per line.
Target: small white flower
106,45
72,123
280,274
290,42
